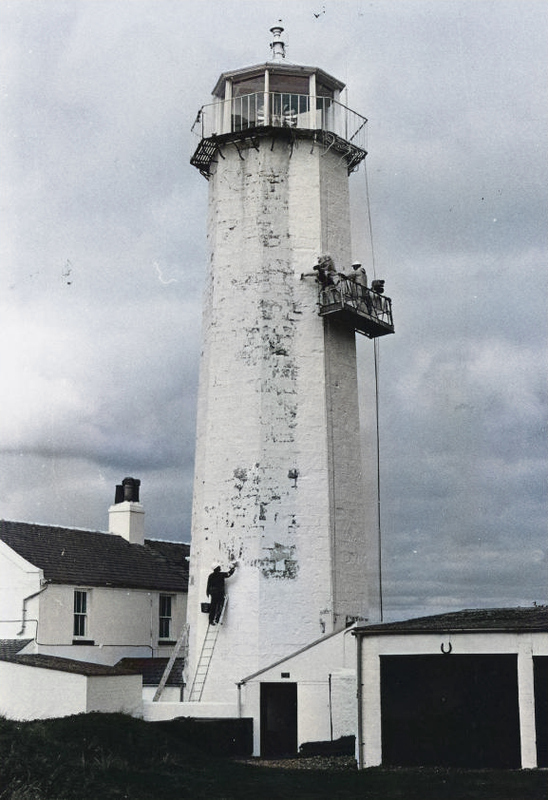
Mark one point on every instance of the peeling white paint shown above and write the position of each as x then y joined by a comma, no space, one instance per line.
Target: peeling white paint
278,462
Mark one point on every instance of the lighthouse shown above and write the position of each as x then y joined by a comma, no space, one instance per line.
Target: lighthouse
280,483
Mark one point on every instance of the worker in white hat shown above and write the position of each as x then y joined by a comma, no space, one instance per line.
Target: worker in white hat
216,590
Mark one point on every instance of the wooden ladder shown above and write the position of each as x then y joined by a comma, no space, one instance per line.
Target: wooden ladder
181,641
206,655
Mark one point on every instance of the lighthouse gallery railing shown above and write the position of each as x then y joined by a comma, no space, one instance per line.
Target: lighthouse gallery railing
281,110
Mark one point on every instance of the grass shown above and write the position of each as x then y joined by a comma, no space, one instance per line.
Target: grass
106,756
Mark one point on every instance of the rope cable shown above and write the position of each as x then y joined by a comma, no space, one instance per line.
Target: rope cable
377,431
369,222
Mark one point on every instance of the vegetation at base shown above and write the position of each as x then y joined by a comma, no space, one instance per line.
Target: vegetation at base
106,756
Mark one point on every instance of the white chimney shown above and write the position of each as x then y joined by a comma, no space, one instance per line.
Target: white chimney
127,516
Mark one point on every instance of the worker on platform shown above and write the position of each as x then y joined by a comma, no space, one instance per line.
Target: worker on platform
324,271
326,267
328,278
359,278
216,591
359,275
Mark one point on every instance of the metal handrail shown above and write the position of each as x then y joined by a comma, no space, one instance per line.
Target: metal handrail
347,294
281,110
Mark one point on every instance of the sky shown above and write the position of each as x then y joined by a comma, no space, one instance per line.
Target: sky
102,261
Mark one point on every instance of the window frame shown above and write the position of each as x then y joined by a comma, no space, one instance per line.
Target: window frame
165,618
80,614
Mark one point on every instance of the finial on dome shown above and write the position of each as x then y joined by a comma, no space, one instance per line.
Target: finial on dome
277,46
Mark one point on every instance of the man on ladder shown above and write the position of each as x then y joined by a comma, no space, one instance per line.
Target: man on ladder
216,591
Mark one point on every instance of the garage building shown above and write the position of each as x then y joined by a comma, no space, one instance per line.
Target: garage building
465,689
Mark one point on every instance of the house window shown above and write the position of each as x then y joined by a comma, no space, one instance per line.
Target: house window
80,613
165,616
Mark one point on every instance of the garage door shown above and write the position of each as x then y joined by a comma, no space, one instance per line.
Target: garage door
450,710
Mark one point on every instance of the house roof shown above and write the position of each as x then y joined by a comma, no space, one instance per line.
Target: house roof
152,670
502,620
175,553
10,647
93,558
9,651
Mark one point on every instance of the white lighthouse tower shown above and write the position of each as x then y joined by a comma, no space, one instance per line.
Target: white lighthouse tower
279,478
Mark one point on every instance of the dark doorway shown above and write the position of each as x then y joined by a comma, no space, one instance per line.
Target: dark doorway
540,665
450,710
278,719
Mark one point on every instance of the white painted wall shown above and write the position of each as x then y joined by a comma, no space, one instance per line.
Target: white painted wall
115,693
34,693
18,580
120,622
318,716
525,645
275,394
170,694
343,697
526,699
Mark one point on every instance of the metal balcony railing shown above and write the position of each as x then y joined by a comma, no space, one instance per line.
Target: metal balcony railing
299,112
367,311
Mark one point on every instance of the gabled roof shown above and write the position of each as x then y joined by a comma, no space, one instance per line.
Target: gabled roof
175,553
501,620
93,558
10,647
152,670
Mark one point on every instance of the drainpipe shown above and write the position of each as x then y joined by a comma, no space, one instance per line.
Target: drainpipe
239,685
359,696
24,610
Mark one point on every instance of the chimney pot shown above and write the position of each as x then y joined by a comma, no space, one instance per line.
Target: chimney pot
127,516
131,489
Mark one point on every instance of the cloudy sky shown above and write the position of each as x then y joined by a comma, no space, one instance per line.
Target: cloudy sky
103,248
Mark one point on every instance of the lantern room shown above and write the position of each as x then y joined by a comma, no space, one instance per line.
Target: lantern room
279,99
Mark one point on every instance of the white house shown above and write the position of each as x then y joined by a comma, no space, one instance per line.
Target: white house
71,600
466,689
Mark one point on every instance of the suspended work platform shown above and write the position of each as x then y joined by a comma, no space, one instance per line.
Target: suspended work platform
369,312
